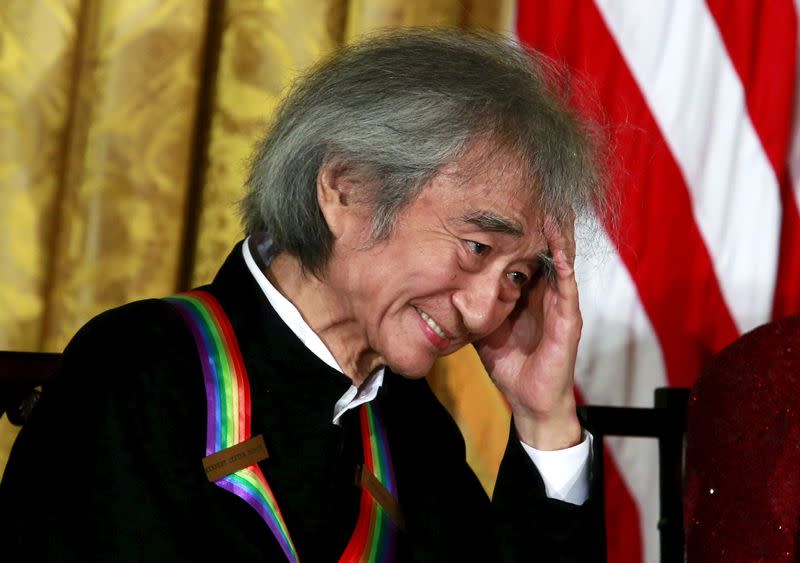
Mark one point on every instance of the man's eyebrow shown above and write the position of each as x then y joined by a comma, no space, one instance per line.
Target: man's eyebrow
494,223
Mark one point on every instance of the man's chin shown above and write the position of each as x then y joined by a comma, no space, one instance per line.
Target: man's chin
422,368
417,371
414,375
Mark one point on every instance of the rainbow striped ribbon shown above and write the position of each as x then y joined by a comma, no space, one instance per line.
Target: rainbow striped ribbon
228,424
375,536
228,403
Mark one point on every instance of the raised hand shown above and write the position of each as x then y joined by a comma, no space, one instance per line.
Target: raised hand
531,356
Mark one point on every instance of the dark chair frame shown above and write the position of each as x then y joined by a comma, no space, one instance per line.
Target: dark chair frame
21,373
667,423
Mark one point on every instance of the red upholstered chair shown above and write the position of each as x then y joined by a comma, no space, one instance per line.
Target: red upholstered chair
742,483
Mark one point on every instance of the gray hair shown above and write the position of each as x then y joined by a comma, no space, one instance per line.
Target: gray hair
397,107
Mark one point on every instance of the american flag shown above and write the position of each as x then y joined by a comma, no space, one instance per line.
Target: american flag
701,100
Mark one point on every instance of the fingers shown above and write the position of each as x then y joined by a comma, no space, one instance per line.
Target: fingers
561,241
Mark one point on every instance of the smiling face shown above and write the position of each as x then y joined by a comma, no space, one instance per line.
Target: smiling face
451,271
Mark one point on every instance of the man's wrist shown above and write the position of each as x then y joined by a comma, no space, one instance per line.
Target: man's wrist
565,473
554,432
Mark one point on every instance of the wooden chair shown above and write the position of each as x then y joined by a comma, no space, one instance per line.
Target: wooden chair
666,422
21,374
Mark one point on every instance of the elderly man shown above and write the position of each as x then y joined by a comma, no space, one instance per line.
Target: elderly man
415,194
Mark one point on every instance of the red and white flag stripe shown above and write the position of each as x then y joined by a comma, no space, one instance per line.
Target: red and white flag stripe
701,98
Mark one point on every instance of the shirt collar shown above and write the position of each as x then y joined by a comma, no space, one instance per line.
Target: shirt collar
289,314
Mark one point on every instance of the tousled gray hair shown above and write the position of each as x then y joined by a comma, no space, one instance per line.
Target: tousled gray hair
396,108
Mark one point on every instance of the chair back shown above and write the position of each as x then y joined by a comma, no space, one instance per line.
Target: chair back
666,422
21,376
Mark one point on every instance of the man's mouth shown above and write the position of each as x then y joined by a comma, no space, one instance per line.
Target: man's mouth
431,323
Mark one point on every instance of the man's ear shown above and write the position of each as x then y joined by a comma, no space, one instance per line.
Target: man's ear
336,187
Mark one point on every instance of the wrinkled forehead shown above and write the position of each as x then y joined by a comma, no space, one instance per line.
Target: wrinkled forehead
490,175
496,160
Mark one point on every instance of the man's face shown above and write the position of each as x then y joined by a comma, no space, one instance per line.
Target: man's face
459,258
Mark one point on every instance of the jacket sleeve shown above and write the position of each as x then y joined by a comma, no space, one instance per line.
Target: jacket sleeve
449,516
531,526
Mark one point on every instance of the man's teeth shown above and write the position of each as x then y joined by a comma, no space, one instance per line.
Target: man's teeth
431,323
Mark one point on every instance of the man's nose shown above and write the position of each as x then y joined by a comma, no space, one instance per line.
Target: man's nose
479,303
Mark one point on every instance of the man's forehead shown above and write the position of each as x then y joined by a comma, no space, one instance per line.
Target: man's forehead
487,159
499,176
489,189
501,208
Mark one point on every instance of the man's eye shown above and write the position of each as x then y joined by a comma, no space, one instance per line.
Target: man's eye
477,248
517,278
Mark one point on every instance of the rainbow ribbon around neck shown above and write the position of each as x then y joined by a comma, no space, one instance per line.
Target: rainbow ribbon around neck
228,405
228,423
375,536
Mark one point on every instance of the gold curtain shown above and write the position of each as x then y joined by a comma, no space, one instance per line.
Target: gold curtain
126,130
